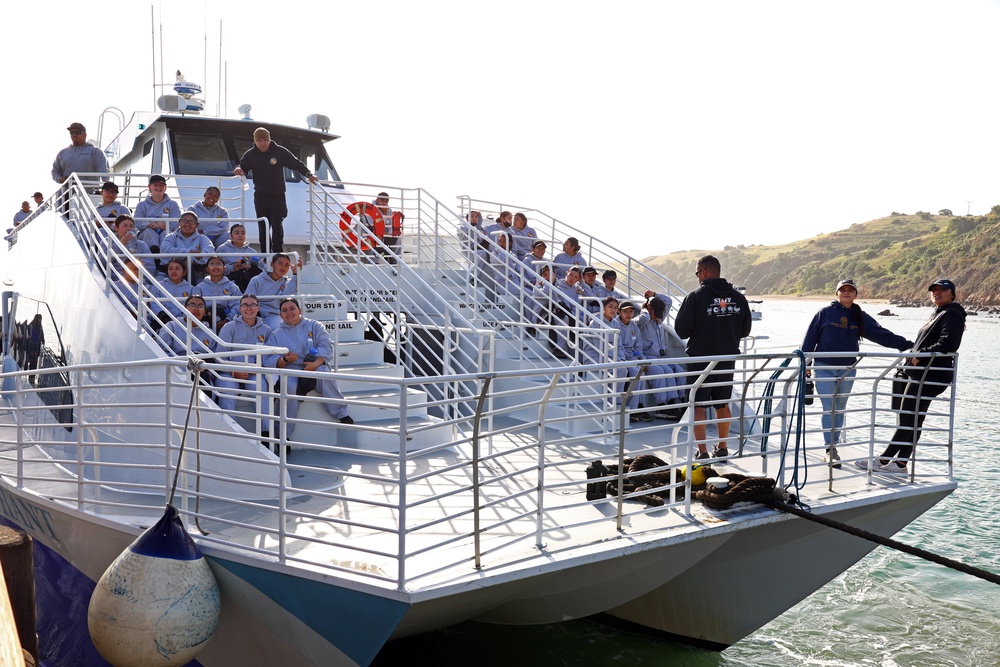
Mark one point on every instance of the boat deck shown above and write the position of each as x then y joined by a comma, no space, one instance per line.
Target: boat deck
356,513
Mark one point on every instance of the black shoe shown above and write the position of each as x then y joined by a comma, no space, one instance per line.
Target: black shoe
559,354
720,452
702,455
346,420
644,417
532,331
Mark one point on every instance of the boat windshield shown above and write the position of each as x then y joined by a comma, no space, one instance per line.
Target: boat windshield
203,151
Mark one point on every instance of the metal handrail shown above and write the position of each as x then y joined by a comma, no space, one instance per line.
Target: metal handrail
31,411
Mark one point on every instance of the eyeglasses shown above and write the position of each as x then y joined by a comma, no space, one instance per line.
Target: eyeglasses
698,272
249,305
75,132
199,306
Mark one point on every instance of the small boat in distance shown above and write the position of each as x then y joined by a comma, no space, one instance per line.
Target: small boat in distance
466,486
755,304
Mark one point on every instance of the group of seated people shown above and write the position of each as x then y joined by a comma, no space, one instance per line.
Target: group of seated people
309,347
556,291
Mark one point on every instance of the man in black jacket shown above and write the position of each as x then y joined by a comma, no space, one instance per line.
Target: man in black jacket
267,161
713,318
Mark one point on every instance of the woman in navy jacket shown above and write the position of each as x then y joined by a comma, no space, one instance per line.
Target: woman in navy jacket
838,328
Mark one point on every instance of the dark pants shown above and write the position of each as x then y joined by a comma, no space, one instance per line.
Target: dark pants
274,208
912,399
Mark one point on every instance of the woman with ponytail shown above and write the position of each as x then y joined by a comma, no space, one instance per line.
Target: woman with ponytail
838,328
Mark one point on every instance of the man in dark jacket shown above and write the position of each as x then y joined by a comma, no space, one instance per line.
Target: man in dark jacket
713,318
267,161
923,378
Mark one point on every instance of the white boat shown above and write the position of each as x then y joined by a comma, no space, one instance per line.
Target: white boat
755,304
460,490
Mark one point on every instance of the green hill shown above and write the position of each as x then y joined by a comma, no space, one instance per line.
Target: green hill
895,257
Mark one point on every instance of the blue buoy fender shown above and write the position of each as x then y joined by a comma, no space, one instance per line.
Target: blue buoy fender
158,602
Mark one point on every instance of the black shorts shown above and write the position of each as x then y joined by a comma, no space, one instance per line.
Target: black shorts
722,376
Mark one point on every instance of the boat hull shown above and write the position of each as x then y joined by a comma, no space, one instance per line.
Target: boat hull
711,591
269,616
765,570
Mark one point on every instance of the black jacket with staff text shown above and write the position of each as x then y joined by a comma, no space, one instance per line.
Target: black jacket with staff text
713,318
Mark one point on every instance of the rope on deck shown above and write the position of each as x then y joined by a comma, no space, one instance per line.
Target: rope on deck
762,490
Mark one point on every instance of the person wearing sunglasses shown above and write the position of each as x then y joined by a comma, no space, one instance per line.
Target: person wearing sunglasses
80,155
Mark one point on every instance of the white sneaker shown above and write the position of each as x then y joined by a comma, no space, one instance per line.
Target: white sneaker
891,468
863,464
832,457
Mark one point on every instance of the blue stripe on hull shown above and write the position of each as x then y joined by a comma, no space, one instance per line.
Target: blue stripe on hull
358,624
62,594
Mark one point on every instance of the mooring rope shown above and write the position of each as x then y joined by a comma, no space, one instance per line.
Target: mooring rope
762,490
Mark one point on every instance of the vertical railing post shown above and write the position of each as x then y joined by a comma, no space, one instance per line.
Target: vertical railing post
622,421
475,470
539,495
81,477
401,466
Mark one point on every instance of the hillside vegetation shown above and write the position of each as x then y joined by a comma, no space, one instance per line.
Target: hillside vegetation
895,257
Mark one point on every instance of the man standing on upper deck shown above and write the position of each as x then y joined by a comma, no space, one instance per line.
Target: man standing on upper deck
267,161
80,155
713,318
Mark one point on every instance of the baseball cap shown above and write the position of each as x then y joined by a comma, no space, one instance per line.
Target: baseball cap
589,270
847,283
537,243
156,178
624,305
609,274
943,282
77,127
109,185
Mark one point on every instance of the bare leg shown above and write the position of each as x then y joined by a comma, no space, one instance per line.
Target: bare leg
700,434
723,415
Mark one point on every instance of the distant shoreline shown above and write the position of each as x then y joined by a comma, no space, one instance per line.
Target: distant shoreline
813,297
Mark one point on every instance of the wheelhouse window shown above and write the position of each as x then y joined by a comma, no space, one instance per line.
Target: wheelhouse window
206,147
202,154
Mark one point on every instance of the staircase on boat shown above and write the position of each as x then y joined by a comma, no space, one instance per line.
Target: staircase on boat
423,311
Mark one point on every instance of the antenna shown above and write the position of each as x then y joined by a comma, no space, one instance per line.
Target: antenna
204,57
218,94
968,207
161,45
152,43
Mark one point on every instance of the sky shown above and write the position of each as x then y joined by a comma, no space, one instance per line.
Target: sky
661,126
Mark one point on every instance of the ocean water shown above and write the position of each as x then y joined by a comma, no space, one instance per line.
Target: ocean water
889,610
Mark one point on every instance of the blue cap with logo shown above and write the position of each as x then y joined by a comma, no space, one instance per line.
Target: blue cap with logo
945,283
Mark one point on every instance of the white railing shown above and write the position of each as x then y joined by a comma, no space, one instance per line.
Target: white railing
501,484
450,260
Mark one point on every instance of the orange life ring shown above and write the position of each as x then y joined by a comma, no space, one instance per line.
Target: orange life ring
361,210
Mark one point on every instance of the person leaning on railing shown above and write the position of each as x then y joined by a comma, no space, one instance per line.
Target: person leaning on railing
923,378
839,327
